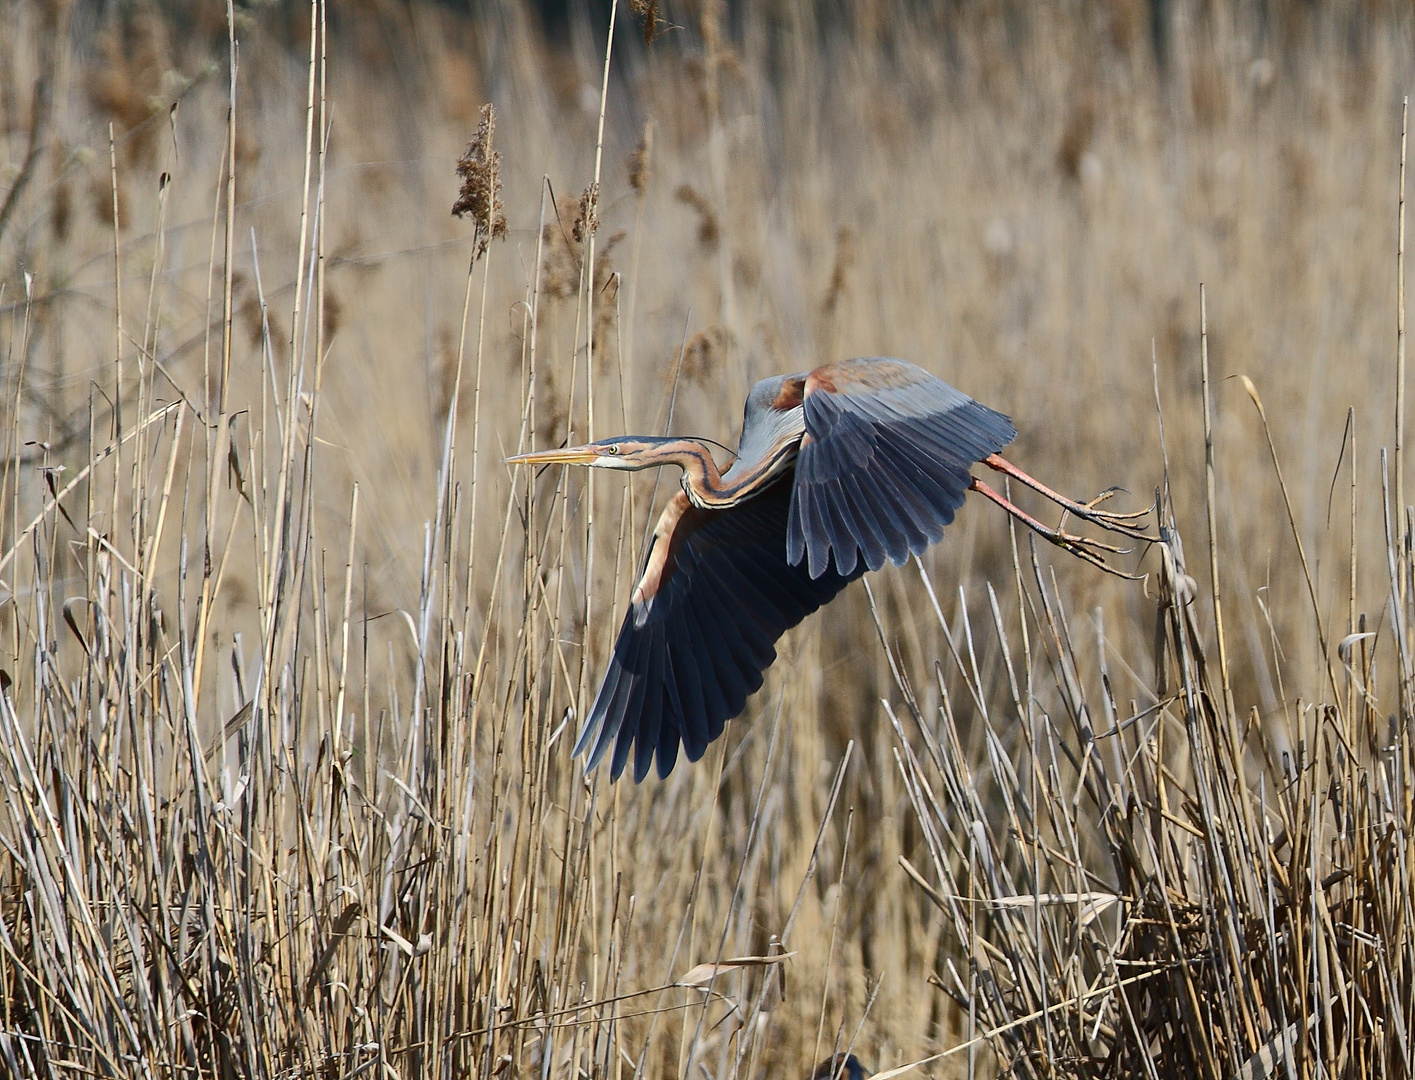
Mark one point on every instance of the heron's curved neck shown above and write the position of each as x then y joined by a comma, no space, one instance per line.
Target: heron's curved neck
706,486
702,480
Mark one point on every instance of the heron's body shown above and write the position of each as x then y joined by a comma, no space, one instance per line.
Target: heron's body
838,470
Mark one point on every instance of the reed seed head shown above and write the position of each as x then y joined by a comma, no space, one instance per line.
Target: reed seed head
587,221
648,11
480,195
709,233
640,163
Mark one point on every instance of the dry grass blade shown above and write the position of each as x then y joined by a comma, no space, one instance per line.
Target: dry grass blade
1296,533
702,976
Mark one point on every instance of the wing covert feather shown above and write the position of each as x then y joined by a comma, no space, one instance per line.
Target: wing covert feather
884,463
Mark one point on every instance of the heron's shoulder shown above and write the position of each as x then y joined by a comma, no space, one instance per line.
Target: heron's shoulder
861,375
778,393
875,375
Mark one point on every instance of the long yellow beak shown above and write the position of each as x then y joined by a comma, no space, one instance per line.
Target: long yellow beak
570,455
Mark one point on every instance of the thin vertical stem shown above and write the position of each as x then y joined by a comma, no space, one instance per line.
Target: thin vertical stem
117,298
1210,504
223,388
117,325
1400,338
1351,594
590,224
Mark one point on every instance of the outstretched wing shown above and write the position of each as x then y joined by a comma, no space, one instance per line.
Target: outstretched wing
884,462
716,595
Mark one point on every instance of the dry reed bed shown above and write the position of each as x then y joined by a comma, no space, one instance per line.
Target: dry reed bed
285,756
1164,893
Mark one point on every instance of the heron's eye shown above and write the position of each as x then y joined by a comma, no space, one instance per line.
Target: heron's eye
614,450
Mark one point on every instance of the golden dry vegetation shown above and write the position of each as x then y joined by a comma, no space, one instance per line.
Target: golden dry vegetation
292,664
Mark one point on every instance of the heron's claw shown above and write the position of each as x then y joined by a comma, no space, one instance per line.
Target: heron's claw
1121,522
1088,549
1061,538
1095,560
1108,493
1127,515
1118,515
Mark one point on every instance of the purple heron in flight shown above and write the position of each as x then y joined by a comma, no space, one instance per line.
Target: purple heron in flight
837,470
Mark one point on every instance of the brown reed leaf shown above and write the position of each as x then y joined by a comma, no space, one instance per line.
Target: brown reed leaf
701,976
337,933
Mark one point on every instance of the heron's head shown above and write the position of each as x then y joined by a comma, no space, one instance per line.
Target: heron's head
629,452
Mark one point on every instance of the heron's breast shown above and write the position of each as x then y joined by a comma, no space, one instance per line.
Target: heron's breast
677,522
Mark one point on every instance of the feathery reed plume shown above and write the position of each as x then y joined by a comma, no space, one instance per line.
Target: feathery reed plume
840,272
480,194
648,11
587,220
641,161
709,234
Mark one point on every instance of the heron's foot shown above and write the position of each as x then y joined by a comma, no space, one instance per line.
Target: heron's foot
1124,523
1117,515
1086,555
1086,548
1062,538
